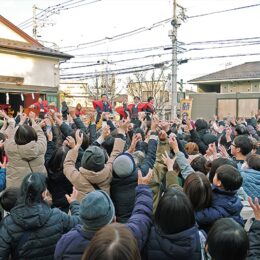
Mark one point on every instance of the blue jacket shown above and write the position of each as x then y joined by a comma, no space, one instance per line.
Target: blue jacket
251,182
123,189
184,245
224,205
72,245
34,230
2,179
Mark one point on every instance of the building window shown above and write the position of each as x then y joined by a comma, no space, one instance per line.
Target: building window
146,95
164,96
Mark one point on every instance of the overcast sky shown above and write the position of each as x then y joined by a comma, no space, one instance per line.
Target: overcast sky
107,18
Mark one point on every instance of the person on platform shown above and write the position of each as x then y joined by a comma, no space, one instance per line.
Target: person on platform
41,106
134,109
78,110
149,108
102,106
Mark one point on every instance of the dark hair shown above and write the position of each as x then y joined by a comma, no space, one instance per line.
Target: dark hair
244,143
201,124
25,134
199,164
149,99
137,97
9,198
55,164
227,240
112,242
197,187
230,177
103,95
174,212
85,143
241,129
253,161
33,185
214,165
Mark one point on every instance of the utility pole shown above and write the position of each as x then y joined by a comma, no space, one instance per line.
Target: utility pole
174,23
34,22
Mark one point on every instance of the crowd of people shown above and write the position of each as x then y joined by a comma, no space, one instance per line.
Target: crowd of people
138,188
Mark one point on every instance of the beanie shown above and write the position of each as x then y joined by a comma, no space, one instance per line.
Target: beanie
123,165
96,210
93,159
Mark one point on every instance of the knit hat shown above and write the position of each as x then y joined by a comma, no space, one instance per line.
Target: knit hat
124,165
93,159
96,210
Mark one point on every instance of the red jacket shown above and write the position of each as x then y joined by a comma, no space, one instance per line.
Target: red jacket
99,103
45,106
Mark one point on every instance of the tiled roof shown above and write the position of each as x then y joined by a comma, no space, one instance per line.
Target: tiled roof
246,71
31,48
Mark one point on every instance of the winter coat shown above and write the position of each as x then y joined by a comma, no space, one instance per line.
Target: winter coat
83,179
184,245
251,182
123,189
72,245
57,183
2,179
225,204
31,232
254,238
24,159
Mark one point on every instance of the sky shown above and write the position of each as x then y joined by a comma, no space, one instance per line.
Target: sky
76,27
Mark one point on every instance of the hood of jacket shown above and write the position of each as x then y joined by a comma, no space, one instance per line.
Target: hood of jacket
31,217
182,245
93,177
28,151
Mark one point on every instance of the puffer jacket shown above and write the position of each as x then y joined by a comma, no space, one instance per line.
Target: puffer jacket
24,159
31,232
251,182
72,245
184,245
123,189
224,204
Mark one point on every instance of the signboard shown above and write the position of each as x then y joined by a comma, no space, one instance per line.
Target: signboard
186,108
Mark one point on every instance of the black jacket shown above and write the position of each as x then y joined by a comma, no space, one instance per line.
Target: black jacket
34,230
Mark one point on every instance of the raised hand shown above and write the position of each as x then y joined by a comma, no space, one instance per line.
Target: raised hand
256,207
72,197
145,180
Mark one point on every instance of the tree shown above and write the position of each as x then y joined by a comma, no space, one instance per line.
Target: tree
154,84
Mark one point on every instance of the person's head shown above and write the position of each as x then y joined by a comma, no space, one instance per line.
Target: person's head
124,165
241,145
78,106
85,143
197,187
104,98
96,210
241,130
228,178
199,164
227,240
55,164
201,124
24,135
174,212
112,242
136,99
93,159
150,100
191,148
33,188
9,198
253,161
40,100
216,164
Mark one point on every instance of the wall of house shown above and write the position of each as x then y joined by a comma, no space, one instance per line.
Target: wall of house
206,105
240,87
7,33
36,70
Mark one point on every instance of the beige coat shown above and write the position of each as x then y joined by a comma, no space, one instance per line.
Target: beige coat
83,178
23,159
